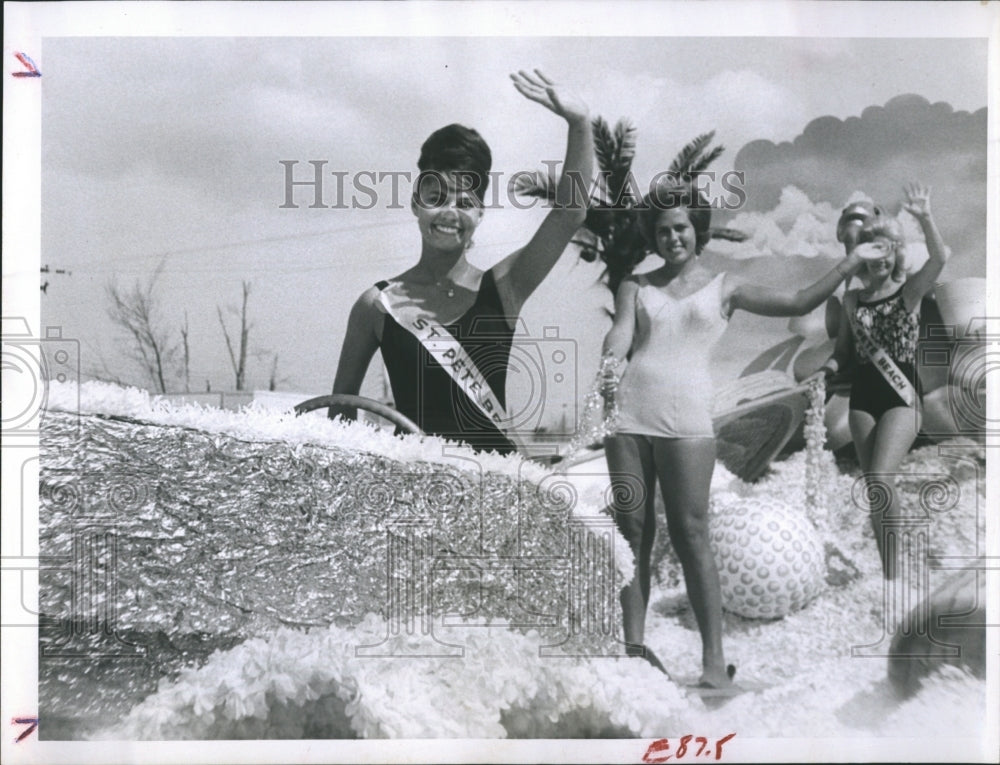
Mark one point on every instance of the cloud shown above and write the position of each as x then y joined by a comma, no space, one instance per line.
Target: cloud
795,226
670,111
879,152
799,227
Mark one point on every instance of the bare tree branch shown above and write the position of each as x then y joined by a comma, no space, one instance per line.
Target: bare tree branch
238,356
136,310
187,354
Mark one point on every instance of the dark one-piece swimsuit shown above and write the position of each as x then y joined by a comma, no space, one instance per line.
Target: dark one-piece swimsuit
427,394
896,330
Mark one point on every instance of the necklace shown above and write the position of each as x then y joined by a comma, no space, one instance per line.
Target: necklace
445,285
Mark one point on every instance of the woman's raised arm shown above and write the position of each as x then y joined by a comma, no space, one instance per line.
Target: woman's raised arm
918,204
519,274
772,301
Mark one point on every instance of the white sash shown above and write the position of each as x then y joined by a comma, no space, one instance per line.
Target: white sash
449,353
883,362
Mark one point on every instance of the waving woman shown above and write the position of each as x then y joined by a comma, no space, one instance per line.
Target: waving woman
444,327
666,323
877,345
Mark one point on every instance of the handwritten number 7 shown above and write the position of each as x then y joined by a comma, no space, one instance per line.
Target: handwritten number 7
31,722
703,742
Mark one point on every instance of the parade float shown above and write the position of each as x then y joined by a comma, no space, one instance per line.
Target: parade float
253,574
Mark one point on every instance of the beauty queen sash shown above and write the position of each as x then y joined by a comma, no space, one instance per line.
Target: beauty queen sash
883,361
453,358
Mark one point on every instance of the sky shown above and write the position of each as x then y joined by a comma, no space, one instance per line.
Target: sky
166,152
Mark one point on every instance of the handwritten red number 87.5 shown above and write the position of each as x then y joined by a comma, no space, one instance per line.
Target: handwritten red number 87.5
657,751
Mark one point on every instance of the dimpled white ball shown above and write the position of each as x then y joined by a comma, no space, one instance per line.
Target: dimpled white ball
769,556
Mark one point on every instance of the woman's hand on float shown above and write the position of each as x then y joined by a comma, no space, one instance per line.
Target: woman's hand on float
918,200
556,98
609,374
824,374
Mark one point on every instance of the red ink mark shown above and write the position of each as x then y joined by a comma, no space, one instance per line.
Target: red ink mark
657,751
719,743
28,64
682,749
652,754
32,722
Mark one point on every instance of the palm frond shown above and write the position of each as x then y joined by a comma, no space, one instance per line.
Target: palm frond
537,184
690,153
729,234
625,133
604,144
600,195
599,221
621,169
702,162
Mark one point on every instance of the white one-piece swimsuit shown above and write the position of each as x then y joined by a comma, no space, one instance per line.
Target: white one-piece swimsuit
666,389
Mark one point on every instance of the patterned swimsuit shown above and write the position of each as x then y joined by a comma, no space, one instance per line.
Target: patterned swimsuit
896,330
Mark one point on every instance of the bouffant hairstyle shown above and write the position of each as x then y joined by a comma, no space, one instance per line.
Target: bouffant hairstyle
672,195
888,228
461,150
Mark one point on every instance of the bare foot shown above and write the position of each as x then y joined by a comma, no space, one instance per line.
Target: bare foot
717,678
635,649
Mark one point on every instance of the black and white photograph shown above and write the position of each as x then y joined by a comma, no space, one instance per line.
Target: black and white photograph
500,382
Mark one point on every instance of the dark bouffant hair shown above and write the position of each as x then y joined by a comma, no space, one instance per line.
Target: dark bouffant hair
456,148
670,195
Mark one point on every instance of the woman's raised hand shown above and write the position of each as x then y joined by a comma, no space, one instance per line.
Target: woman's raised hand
918,200
556,98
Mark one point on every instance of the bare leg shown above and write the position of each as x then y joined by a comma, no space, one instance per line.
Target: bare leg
893,437
863,433
633,481
684,467
881,447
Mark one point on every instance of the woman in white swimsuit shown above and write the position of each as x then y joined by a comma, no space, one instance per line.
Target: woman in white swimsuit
666,323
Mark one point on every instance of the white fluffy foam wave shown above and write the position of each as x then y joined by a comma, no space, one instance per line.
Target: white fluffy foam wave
295,684
258,423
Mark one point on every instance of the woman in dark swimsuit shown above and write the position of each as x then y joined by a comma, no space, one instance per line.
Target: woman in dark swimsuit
885,314
477,309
